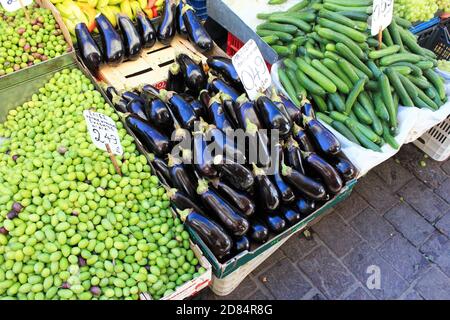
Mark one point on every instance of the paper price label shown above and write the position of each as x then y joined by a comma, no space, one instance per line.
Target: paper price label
252,70
13,5
382,15
103,131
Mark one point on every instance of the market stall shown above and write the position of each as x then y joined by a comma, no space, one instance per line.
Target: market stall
123,173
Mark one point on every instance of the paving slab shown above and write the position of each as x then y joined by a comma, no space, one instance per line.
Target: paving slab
393,174
298,246
372,227
359,294
434,285
444,190
443,225
353,205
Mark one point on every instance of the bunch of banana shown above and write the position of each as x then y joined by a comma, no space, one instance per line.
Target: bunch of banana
76,11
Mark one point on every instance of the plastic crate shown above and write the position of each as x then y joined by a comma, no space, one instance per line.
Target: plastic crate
200,8
436,142
434,35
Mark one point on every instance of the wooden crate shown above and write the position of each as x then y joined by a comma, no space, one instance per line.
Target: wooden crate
151,68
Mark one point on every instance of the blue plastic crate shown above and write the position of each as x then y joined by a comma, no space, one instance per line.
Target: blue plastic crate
200,8
425,25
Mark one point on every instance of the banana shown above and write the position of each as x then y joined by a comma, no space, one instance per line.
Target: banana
125,7
56,1
70,25
92,3
102,3
135,7
109,14
65,11
115,2
143,4
90,14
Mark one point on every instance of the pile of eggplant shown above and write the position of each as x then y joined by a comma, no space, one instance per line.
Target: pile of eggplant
131,38
231,202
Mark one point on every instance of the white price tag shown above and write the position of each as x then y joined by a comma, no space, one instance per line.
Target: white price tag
252,69
13,5
103,131
382,15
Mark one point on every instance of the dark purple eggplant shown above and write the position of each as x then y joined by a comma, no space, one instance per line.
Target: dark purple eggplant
308,110
272,117
150,137
304,185
274,221
197,106
246,113
229,106
181,110
240,244
136,107
149,92
197,34
111,92
305,207
217,115
259,232
158,113
239,199
120,104
214,236
183,202
216,85
302,139
131,38
146,30
236,175
204,98
324,140
294,112
267,193
329,175
193,73
130,96
181,26
224,67
202,158
167,28
293,155
222,210
89,51
344,166
182,179
291,216
113,48
175,81
284,190
161,167
221,144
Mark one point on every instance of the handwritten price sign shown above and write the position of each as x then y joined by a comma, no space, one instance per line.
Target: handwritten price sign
252,69
13,5
382,15
103,131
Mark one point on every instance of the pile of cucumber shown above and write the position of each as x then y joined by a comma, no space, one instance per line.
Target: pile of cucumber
355,83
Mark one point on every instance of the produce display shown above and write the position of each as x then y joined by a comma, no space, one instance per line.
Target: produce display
129,40
356,86
418,10
229,199
70,226
74,12
25,43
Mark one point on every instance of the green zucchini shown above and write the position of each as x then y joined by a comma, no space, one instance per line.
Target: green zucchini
351,99
337,37
378,54
345,52
394,78
279,27
315,75
353,34
340,85
334,67
400,57
310,86
361,114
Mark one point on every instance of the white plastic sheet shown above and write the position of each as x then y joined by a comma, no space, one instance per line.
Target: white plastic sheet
413,123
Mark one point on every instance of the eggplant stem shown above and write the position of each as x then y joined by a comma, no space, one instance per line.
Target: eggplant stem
186,8
285,170
306,119
202,186
172,161
251,127
215,99
258,171
184,214
175,68
225,97
242,99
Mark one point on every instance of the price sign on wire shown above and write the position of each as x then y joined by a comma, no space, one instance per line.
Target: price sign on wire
382,15
103,132
13,5
252,69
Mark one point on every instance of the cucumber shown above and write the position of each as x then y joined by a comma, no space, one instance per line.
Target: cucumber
331,55
341,19
421,95
395,34
361,114
346,132
300,40
394,78
437,82
279,27
334,67
368,132
322,116
420,82
357,16
391,106
416,71
425,64
340,85
270,40
372,85
373,43
389,138
282,51
310,86
299,6
338,101
300,92
290,64
353,34
320,103
291,21
402,22
367,104
330,106
345,52
403,70
339,116
339,37
410,42
315,75
430,93
337,8
374,68
351,99
287,85
434,93
283,36
378,54
308,16
348,70
353,2
313,52
400,57
380,108
387,39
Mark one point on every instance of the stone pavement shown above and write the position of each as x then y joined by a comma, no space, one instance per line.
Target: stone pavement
396,224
